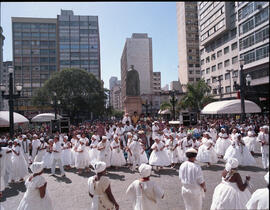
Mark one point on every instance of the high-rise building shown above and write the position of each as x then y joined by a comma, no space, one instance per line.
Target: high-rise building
2,38
219,48
253,30
5,81
175,85
34,55
188,43
112,82
156,82
79,44
116,99
138,52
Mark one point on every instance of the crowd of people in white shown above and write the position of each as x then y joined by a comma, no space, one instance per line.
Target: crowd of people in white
126,143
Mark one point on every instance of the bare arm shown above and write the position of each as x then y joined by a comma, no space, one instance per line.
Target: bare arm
42,190
111,197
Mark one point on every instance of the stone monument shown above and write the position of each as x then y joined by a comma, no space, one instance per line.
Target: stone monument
133,101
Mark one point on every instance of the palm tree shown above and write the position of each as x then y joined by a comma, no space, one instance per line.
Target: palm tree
165,105
196,97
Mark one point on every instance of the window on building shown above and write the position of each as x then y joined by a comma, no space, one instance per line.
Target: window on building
219,65
227,76
228,89
198,72
197,65
233,33
190,57
213,57
190,72
190,65
213,68
208,81
226,50
191,79
219,53
234,46
208,59
203,72
202,61
214,91
226,63
214,79
197,79
207,70
234,59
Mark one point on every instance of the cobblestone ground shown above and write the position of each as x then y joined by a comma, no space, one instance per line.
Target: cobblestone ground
71,193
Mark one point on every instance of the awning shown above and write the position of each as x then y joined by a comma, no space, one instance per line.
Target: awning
166,111
18,118
45,117
230,107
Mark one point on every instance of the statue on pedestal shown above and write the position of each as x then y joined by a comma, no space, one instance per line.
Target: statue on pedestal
132,82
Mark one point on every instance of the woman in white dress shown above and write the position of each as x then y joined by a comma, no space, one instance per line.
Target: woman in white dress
231,193
222,143
117,158
180,149
99,189
75,143
48,155
66,153
250,142
4,152
158,157
19,165
81,161
41,150
206,152
239,151
93,151
145,193
129,141
172,150
143,155
36,195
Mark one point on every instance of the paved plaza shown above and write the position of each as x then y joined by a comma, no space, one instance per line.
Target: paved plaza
71,193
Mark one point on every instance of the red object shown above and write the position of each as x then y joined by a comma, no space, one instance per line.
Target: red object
238,94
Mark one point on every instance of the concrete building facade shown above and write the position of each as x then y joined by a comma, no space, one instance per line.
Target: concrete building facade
175,85
218,46
116,99
138,52
188,43
156,82
79,44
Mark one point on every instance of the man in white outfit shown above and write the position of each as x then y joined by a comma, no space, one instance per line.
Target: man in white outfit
193,184
56,156
25,146
263,138
35,144
135,153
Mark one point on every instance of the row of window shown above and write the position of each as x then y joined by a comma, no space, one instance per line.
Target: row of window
254,38
212,19
77,39
35,68
191,79
249,8
77,46
220,65
34,26
79,62
34,43
35,52
197,72
254,21
35,60
256,54
78,23
213,30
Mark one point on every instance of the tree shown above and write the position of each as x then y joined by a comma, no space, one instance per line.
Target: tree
196,97
78,91
165,105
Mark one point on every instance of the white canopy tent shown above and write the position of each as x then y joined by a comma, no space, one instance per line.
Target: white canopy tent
230,107
166,111
45,117
18,118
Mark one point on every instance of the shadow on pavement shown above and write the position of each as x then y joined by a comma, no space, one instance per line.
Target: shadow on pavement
213,168
116,176
167,171
13,190
63,179
251,168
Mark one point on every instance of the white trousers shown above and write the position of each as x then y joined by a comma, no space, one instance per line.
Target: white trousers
265,156
59,163
192,196
135,160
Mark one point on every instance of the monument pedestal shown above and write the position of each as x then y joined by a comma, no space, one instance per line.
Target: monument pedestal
133,104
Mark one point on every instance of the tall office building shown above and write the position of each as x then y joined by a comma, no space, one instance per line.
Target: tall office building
138,52
188,43
218,46
253,28
34,55
112,82
156,82
79,44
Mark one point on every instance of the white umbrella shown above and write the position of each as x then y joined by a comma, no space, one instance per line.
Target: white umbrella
18,118
230,107
45,117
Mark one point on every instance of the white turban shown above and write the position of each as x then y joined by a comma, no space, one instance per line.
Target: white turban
50,140
24,136
156,137
249,133
145,170
115,136
266,127
65,137
94,137
104,137
17,141
129,134
99,166
35,135
232,163
266,177
191,150
36,167
42,138
82,141
78,136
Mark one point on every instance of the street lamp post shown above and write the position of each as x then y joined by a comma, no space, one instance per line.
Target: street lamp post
242,88
11,96
55,103
173,101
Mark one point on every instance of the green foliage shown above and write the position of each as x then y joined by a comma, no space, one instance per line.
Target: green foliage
196,97
166,105
117,113
78,91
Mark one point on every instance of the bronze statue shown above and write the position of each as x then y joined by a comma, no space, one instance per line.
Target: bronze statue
132,82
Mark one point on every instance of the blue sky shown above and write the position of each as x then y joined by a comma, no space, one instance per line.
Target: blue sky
117,21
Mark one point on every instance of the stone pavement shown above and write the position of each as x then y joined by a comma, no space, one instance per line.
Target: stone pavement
71,193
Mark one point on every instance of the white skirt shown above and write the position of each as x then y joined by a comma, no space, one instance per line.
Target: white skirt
66,157
221,146
19,167
47,159
206,156
143,158
228,196
159,158
181,154
118,158
40,155
93,155
81,161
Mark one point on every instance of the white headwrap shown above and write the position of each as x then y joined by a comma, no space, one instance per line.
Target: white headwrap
17,141
104,137
82,141
94,137
129,134
249,133
266,177
145,170
99,166
232,163
65,137
35,135
24,136
37,167
192,150
78,136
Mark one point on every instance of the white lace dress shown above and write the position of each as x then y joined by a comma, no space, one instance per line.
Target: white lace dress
117,158
222,144
227,196
207,156
31,199
19,165
159,157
